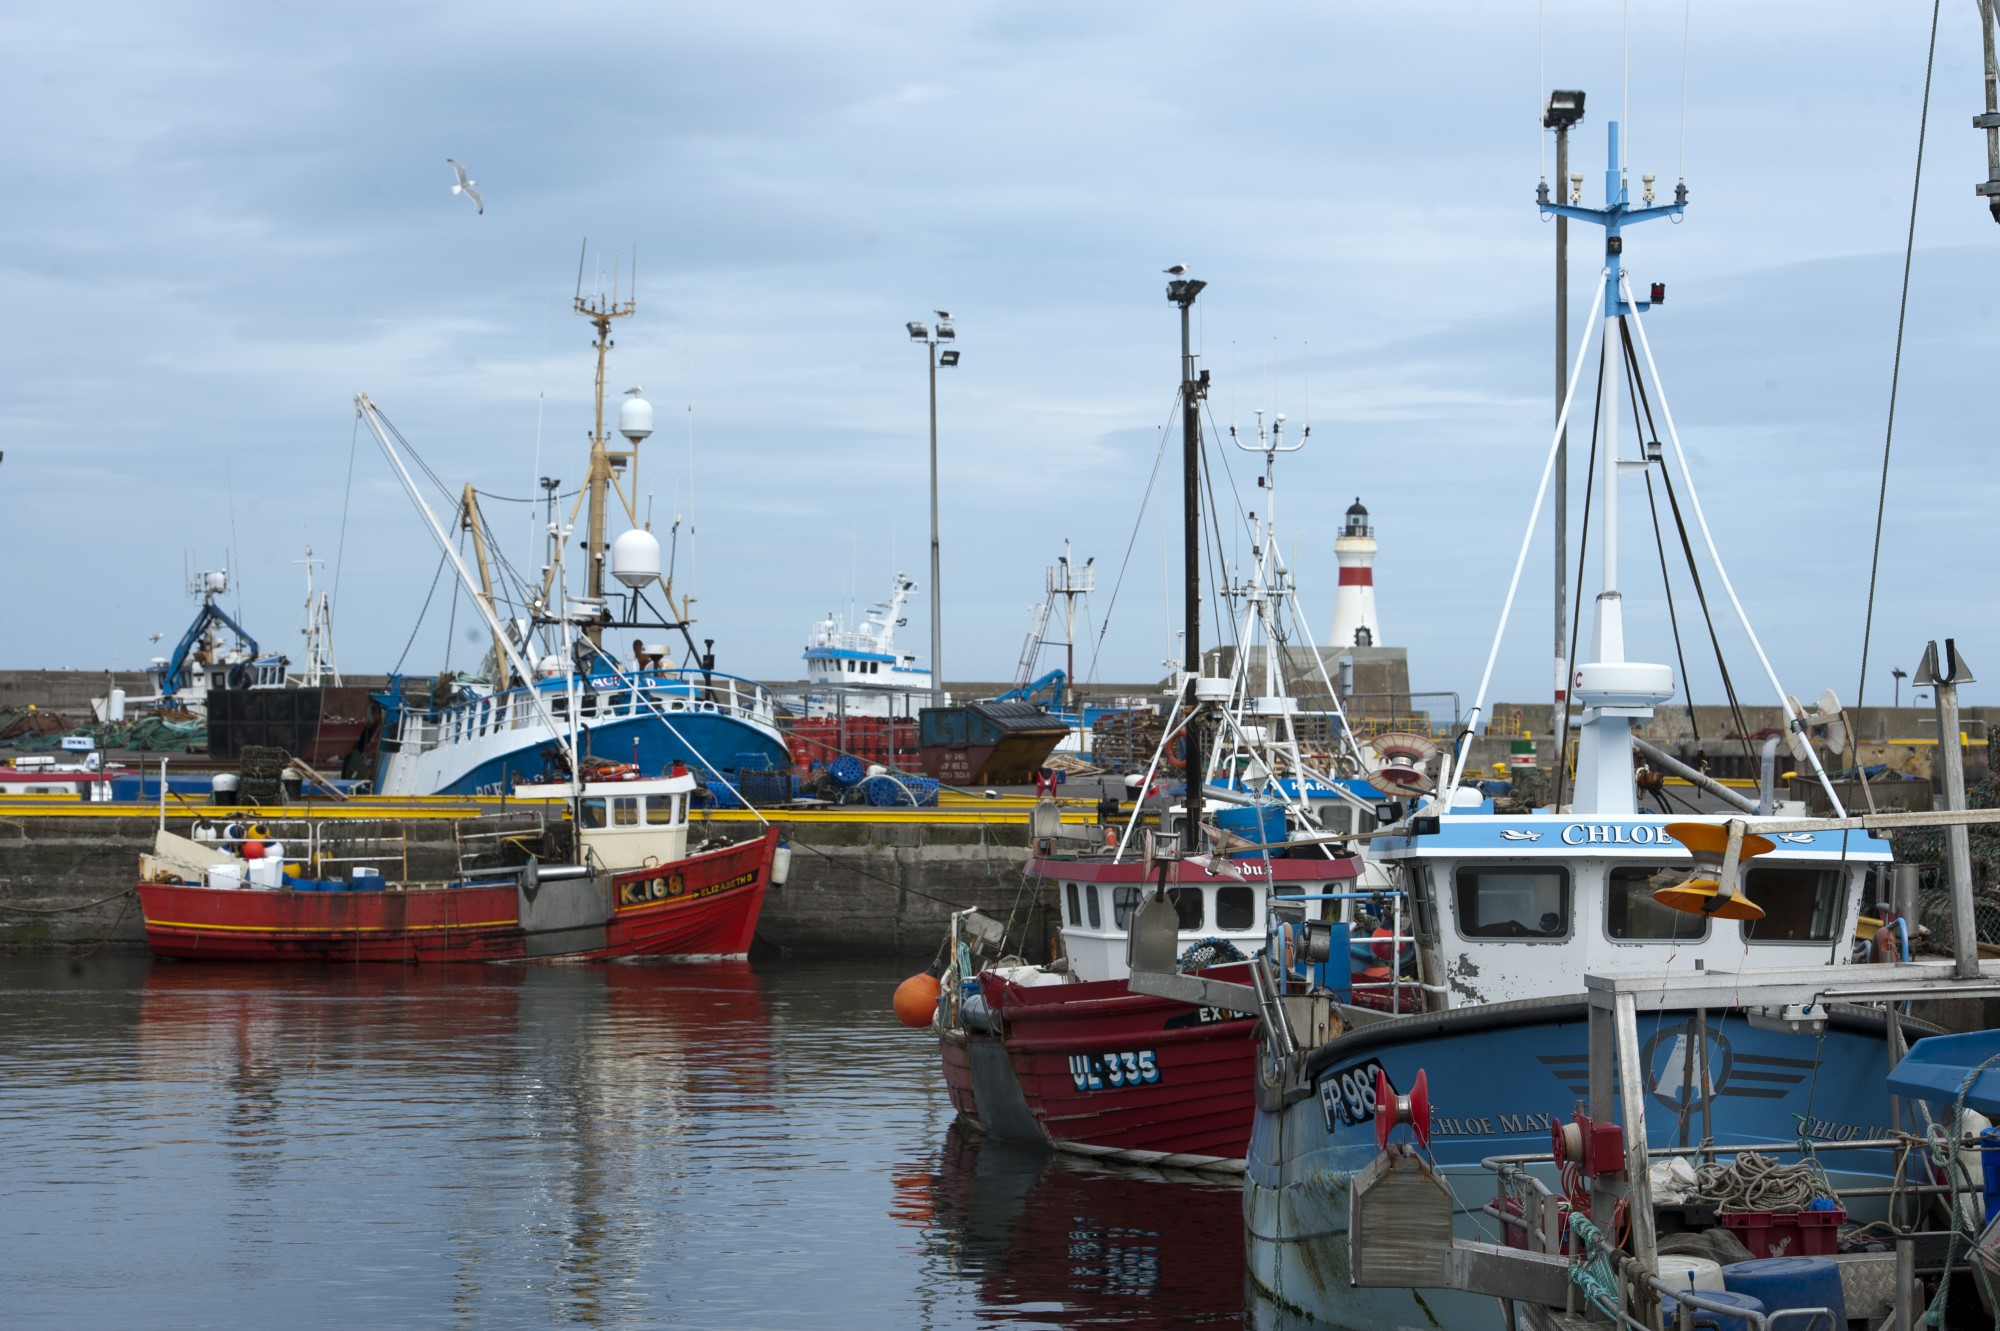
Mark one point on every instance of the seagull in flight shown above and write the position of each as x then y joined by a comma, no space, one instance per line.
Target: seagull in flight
1177,270
465,186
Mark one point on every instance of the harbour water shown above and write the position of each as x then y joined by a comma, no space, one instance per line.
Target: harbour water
666,1145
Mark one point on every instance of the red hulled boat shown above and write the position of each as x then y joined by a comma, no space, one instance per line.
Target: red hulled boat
1068,1056
240,894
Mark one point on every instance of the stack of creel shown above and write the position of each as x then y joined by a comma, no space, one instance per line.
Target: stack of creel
889,792
766,788
846,770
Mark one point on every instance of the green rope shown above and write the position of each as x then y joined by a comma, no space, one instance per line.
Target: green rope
1593,1275
1934,1315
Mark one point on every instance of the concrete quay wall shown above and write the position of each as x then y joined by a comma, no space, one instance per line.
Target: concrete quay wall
881,889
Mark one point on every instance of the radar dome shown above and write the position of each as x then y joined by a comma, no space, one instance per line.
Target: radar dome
635,556
635,418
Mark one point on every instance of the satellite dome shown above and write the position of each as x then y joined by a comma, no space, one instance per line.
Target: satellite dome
635,418
635,556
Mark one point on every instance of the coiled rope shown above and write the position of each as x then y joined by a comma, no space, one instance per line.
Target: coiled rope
1757,1182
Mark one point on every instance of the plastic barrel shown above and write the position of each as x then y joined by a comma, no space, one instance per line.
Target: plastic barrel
1791,1282
1259,824
1708,1318
1686,1272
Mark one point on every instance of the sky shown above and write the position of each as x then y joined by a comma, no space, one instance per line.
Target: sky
223,221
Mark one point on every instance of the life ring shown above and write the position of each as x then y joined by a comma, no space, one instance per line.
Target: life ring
1174,753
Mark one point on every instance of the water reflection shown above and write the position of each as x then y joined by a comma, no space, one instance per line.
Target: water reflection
700,1146
1054,1241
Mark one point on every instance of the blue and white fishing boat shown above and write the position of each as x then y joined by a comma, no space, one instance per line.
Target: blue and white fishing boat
481,737
858,671
1492,922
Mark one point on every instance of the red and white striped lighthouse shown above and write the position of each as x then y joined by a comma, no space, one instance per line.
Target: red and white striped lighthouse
1354,622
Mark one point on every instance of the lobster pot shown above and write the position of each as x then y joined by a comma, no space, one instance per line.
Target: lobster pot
766,788
1259,824
1784,1283
846,770
890,792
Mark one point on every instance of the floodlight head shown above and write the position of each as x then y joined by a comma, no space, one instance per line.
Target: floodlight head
945,330
947,358
1565,108
1182,290
919,333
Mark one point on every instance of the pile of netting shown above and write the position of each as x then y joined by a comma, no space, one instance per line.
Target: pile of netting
43,732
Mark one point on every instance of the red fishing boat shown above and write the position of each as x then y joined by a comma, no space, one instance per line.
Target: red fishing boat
1069,1056
239,893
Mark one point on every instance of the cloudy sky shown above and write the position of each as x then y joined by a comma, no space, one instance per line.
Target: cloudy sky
222,221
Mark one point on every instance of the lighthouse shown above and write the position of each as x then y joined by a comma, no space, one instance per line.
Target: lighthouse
1354,623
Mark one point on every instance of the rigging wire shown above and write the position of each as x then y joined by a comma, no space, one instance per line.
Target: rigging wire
1687,554
420,617
346,503
1687,24
1158,457
1896,367
1643,410
1582,551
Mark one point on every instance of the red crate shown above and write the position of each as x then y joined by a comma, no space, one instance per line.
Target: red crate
1788,1233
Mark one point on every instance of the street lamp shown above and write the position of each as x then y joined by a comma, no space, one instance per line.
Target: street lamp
1564,109
946,331
1899,674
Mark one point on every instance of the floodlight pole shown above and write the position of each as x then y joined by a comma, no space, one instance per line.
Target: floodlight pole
937,594
1562,445
1182,292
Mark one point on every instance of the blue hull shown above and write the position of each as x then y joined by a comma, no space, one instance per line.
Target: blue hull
644,740
1497,1078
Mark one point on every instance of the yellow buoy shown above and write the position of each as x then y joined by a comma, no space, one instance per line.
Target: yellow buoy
1700,893
916,1000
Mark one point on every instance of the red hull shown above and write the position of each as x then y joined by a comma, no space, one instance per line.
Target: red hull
1106,1071
707,907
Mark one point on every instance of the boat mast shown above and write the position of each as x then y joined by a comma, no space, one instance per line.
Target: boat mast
1613,692
1182,292
469,519
601,310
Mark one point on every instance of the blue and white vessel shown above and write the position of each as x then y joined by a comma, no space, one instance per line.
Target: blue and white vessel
858,671
1491,922
483,736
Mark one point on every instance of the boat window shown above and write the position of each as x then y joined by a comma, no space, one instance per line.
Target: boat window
1235,908
593,813
1090,899
1124,901
625,811
559,706
1508,902
1187,905
660,811
1630,913
1801,905
1075,911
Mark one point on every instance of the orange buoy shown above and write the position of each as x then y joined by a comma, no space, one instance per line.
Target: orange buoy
253,850
916,1000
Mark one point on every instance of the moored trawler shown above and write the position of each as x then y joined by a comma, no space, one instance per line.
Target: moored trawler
609,877
482,736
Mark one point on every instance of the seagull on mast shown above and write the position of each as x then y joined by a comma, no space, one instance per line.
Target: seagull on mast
1177,270
465,186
